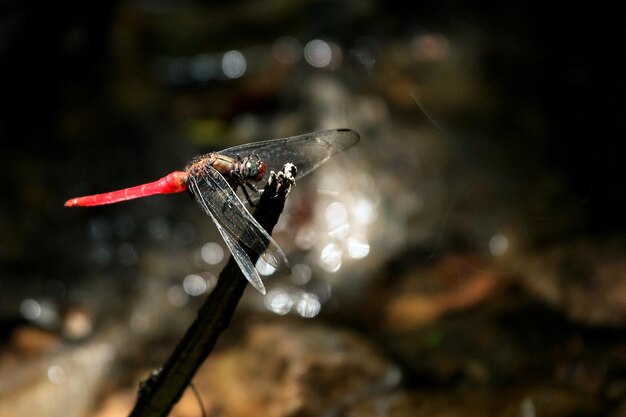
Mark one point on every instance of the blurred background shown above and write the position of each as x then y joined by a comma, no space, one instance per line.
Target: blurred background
466,258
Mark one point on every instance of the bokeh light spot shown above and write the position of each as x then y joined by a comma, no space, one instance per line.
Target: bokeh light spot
177,296
358,247
279,301
212,253
234,64
308,305
301,274
498,244
195,285
318,53
56,374
30,309
330,257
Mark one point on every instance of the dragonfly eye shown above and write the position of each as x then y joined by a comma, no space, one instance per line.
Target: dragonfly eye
254,168
261,166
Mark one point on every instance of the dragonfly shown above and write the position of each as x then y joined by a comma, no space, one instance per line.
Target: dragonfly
214,178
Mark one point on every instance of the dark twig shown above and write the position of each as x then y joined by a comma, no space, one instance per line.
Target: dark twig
159,393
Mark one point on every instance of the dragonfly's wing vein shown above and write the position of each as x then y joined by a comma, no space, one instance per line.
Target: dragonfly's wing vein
306,152
219,201
242,259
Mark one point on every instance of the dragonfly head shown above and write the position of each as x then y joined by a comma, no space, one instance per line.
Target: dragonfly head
254,168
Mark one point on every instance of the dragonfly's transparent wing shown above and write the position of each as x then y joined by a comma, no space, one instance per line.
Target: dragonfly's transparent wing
218,200
306,152
242,259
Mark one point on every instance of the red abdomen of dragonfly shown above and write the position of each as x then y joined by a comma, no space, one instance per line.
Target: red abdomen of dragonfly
174,182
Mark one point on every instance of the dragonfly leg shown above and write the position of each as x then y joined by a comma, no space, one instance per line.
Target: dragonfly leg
245,193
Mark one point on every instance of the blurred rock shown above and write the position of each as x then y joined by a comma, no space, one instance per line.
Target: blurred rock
551,401
31,341
63,383
464,349
288,370
424,295
541,400
116,405
426,404
583,278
